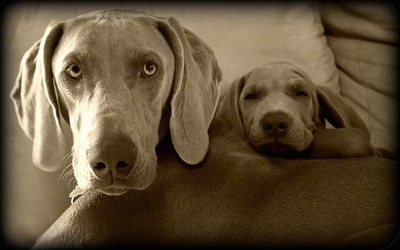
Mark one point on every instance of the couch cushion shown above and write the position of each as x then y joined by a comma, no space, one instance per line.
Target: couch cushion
363,38
246,35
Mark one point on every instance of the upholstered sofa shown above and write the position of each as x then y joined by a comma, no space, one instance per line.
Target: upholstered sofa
350,47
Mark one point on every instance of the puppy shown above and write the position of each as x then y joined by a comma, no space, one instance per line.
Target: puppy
280,111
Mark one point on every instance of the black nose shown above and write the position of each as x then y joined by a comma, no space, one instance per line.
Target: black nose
275,124
111,158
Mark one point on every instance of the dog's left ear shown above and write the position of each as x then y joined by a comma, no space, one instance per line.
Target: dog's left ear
228,108
332,107
195,91
36,103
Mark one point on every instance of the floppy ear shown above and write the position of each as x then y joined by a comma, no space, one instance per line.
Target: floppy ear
195,91
36,104
333,108
228,108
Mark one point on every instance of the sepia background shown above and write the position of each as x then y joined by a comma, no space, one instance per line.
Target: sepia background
350,48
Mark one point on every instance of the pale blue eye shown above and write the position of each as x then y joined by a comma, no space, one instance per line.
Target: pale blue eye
149,68
74,71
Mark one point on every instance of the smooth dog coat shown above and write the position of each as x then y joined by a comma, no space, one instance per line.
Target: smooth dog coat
279,110
105,87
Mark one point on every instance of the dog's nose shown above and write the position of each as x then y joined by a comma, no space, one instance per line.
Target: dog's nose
116,159
275,124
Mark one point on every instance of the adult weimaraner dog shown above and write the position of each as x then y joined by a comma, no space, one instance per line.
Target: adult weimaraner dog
279,110
104,88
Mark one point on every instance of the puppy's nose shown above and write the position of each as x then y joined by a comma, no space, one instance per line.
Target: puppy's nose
115,158
275,124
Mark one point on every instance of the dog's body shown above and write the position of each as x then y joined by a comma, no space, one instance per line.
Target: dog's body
237,197
110,85
279,110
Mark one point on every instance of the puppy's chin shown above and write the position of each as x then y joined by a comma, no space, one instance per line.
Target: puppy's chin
274,148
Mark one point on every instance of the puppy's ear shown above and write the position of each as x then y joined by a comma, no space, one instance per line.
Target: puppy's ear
229,106
195,91
333,108
36,103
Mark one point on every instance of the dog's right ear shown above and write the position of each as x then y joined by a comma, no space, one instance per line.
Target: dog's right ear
229,106
195,91
36,103
333,108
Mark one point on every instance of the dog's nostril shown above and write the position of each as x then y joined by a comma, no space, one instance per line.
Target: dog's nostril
283,125
100,165
275,124
100,169
268,126
122,164
114,159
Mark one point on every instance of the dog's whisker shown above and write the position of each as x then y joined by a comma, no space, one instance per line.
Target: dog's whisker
67,171
67,158
66,168
72,181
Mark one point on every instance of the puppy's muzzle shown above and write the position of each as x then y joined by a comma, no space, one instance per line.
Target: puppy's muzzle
114,159
275,124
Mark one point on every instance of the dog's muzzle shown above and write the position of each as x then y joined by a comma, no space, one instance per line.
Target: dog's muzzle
115,159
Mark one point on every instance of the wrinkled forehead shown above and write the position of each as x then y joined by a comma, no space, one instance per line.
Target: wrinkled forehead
97,33
275,74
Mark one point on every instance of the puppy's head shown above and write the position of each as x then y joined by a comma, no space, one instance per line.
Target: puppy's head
276,107
106,87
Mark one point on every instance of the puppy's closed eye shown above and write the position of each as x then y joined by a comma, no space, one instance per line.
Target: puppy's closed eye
300,93
298,89
251,96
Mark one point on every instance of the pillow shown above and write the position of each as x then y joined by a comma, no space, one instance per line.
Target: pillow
244,36
364,38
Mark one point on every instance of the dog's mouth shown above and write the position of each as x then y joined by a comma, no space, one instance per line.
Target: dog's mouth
113,190
275,148
118,186
294,144
117,179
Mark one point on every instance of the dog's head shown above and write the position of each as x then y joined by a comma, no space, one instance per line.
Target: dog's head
106,87
276,107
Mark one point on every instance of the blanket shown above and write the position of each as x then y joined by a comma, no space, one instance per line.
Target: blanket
237,197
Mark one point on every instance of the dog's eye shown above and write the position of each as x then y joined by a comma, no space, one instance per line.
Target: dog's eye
74,72
149,69
251,96
300,93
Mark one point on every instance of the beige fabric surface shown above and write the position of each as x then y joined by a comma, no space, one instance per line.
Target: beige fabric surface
364,39
241,35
